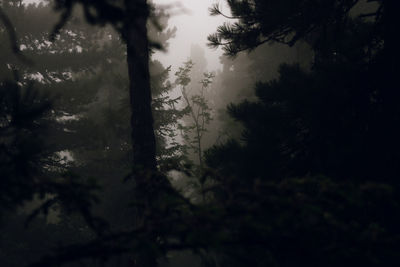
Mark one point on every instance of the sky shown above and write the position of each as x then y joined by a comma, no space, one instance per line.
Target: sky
194,26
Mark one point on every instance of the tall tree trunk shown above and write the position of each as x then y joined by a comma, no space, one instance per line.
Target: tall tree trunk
391,88
143,139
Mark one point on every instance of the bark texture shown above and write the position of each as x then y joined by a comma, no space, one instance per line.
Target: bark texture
143,138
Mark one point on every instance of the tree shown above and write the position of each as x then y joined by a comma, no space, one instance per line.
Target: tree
143,139
330,124
307,132
321,24
235,82
20,138
197,108
28,101
356,48
82,87
129,18
259,22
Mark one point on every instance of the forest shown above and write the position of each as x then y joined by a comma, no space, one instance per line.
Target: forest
284,156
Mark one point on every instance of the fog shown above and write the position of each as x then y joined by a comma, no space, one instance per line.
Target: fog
194,24
114,153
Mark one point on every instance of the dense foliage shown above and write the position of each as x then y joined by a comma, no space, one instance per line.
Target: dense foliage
311,180
82,142
313,138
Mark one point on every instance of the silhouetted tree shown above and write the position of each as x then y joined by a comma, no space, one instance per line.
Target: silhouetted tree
310,130
129,18
259,22
197,109
44,174
78,84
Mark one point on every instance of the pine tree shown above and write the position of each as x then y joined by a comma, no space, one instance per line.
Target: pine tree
89,119
315,142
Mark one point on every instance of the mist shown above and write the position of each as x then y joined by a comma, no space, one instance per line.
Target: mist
199,133
194,24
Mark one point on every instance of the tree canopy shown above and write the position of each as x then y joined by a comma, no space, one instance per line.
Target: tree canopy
90,146
258,22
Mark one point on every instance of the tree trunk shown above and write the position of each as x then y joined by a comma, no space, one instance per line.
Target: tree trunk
143,139
391,89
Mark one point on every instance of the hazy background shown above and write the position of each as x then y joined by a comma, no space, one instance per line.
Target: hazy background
194,24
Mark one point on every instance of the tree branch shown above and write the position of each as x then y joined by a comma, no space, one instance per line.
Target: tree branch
13,38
